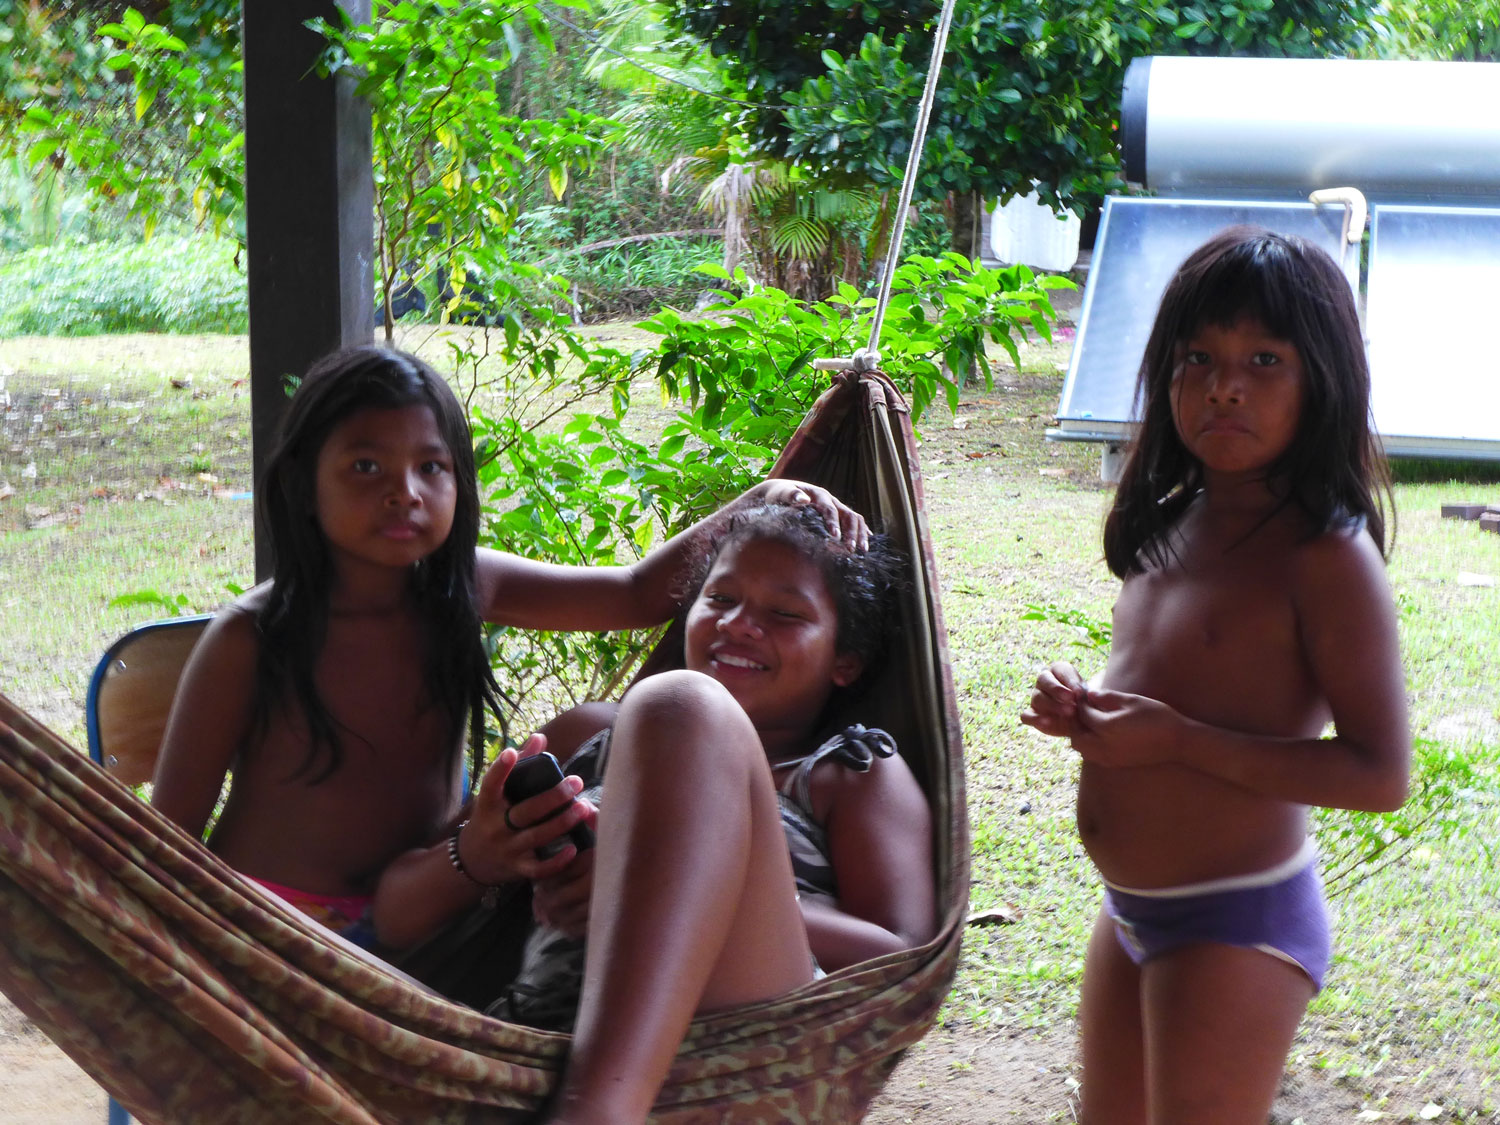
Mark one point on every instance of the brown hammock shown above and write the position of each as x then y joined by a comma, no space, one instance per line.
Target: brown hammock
192,998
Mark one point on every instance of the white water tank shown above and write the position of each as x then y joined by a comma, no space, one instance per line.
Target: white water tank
1027,232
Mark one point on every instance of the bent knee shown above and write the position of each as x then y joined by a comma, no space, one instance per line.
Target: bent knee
683,708
666,695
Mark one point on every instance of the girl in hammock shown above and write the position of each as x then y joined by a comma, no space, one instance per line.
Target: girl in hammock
338,692
714,773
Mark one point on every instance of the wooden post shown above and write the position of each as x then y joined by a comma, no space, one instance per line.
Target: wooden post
309,209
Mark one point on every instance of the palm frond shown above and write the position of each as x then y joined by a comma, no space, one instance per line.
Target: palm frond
800,236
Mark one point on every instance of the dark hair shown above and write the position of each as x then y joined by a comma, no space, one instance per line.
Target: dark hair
861,584
1333,469
293,622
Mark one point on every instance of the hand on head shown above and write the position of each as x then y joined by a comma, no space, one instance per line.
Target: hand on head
500,842
844,523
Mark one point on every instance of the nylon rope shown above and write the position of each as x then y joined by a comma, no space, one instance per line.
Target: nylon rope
868,358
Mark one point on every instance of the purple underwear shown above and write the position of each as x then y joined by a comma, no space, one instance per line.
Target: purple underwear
1280,911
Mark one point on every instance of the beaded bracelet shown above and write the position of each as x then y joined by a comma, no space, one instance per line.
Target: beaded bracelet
491,890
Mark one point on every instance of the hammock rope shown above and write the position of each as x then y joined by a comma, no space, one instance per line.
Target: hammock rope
868,357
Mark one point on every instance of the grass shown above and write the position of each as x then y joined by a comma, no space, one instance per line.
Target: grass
1410,1012
177,284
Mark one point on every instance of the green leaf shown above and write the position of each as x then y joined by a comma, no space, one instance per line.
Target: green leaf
42,149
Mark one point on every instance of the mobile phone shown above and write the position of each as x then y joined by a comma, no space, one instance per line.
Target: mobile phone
537,774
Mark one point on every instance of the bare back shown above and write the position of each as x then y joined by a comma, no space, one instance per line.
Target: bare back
1216,635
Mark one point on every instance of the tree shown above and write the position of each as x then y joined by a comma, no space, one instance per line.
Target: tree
1030,92
1467,30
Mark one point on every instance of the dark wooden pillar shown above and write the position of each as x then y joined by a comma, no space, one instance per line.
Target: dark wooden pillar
309,207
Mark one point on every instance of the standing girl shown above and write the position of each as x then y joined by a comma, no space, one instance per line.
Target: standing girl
1254,612
339,692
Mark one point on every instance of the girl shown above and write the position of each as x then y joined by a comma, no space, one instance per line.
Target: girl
714,773
1254,611
339,691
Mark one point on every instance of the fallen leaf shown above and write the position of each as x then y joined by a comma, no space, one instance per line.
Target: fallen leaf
1003,915
1369,1115
180,383
1465,578
1431,1112
6,491
1053,472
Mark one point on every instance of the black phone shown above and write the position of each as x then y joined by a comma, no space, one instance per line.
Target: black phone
537,774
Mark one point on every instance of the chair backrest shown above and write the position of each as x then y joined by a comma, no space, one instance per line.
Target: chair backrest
130,695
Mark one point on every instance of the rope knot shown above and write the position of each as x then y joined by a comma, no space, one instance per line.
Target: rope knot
858,746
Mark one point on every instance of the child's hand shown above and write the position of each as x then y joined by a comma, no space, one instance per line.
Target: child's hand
1116,728
844,523
562,901
500,841
1055,702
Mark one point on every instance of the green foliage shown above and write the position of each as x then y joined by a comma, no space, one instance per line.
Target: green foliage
450,159
1467,30
166,285
636,280
174,605
1030,89
36,207
175,145
1093,634
581,488
750,359
1447,788
46,54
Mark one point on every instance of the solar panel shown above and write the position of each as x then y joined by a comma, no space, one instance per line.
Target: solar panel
1432,295
1140,244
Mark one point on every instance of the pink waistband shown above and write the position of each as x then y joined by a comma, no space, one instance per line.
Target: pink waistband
351,905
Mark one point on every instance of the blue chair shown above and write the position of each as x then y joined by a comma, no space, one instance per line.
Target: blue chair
129,699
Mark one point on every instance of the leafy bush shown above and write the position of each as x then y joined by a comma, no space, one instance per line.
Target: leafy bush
163,285
1030,88
633,280
591,492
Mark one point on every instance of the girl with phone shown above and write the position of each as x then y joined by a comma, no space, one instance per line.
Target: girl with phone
743,848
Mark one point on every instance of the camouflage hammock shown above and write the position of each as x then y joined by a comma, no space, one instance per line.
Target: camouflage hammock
192,998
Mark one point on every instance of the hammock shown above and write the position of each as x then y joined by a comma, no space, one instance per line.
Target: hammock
192,998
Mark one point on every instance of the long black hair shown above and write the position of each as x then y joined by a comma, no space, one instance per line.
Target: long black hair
293,621
1333,469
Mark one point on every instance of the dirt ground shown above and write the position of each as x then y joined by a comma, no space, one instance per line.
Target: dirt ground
954,1077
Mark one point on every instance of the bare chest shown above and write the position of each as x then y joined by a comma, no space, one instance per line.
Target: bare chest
1218,642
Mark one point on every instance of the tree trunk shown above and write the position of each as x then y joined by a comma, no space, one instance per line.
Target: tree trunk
963,223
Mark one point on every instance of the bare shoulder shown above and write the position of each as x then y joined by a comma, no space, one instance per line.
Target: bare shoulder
490,569
889,786
1337,560
230,643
